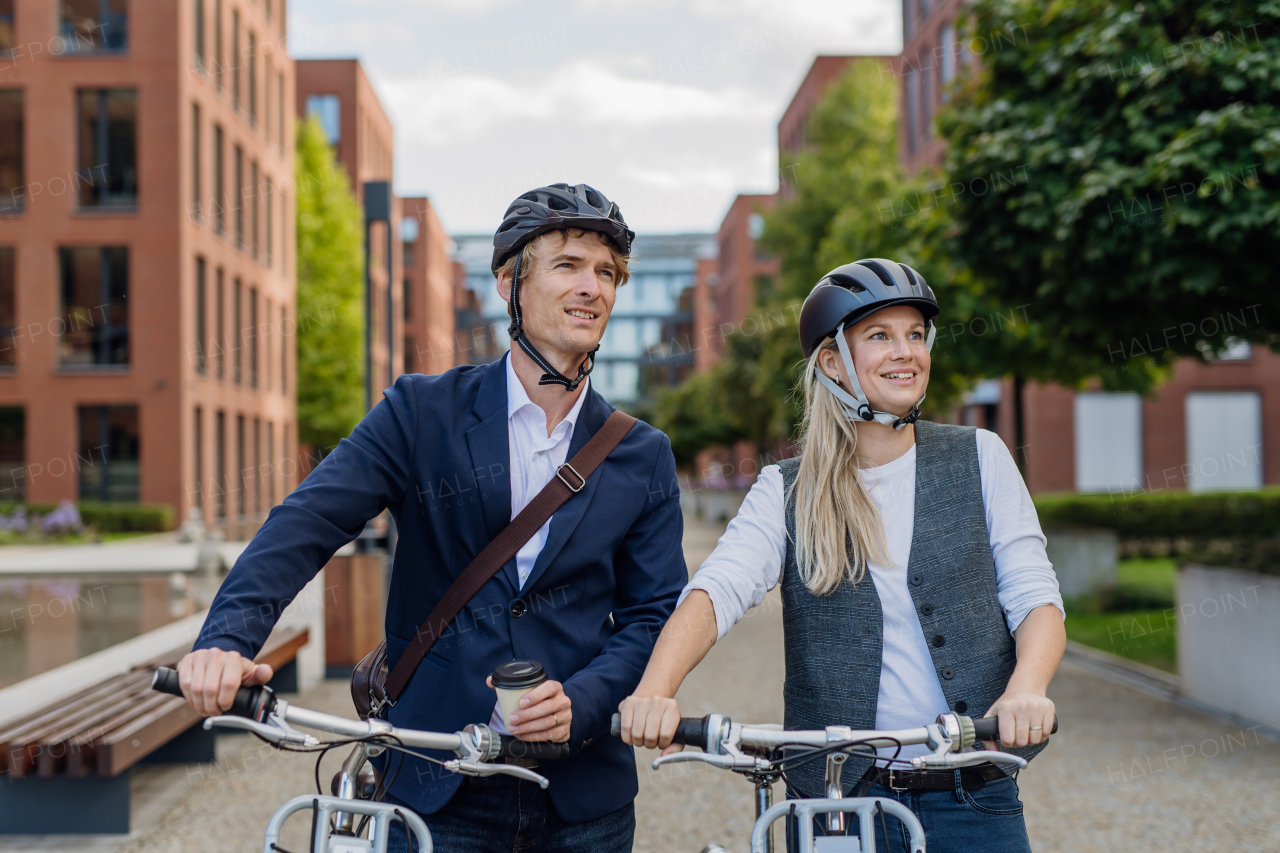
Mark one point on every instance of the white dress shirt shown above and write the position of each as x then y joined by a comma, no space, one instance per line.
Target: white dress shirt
747,563
534,457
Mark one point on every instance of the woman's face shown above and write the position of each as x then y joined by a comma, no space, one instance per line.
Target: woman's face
891,358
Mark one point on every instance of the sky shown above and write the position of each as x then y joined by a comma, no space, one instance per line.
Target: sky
668,108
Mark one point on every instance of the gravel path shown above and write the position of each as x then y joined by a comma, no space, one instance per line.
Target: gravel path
1144,774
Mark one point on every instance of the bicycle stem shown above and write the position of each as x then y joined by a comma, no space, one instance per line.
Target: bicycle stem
835,768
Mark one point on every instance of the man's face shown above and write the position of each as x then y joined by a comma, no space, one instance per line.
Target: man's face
566,297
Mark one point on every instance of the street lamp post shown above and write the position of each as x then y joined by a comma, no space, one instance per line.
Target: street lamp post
377,208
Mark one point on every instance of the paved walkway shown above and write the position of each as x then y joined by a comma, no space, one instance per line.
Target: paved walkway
1128,772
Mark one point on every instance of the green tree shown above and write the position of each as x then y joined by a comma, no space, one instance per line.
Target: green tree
330,294
1128,152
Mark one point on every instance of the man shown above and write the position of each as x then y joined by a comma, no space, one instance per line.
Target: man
455,457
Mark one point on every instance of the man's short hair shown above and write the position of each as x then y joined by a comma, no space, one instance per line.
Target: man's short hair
533,249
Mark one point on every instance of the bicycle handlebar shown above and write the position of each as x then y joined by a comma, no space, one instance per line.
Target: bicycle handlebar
513,747
256,703
988,728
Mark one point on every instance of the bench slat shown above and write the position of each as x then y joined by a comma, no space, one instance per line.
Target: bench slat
128,745
65,749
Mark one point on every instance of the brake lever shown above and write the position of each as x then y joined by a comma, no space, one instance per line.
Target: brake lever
480,768
728,762
272,734
966,759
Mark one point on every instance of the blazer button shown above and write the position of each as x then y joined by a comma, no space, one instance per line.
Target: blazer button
939,641
517,608
917,579
948,673
926,609
962,706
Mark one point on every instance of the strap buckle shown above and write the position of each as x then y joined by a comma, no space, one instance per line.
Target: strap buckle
582,481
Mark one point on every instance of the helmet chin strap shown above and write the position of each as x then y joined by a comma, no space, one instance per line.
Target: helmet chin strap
550,376
856,406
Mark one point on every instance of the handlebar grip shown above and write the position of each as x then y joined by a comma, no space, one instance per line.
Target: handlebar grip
513,747
691,731
252,702
988,728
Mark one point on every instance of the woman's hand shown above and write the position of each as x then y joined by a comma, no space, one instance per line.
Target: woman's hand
1026,717
650,722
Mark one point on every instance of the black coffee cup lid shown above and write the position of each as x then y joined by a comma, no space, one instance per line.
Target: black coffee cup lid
518,674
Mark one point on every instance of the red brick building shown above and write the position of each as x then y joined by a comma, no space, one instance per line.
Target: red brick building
1204,429
146,264
428,296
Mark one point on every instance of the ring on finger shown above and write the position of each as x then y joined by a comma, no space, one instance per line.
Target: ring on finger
1037,728
557,719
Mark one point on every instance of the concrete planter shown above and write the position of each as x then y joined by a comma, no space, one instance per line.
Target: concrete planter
1082,559
1228,637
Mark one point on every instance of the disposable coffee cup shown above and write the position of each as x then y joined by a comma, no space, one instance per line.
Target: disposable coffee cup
512,680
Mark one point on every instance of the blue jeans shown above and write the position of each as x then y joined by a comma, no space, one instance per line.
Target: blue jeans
499,814
957,821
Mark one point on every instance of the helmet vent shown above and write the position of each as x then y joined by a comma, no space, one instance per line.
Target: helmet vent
508,225
911,276
530,197
594,200
556,203
880,271
848,282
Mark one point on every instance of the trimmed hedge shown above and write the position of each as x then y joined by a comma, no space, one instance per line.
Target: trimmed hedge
113,517
1167,514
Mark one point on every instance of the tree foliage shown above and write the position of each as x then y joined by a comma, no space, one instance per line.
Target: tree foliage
330,294
1148,133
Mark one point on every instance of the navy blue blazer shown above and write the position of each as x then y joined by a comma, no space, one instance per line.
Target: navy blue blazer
435,451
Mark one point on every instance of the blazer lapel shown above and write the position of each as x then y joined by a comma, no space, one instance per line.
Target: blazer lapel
490,456
595,411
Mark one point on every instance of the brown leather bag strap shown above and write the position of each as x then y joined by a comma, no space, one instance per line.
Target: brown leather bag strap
569,480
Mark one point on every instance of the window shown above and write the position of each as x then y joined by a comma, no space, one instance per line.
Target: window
908,20
95,310
198,16
270,221
195,162
198,453
284,356
201,330
95,26
328,109
109,453
220,464
13,453
253,80
12,192
235,58
8,316
1224,440
108,174
240,479
220,315
1108,442
913,108
219,183
239,190
236,315
947,54
253,200
266,342
257,467
280,110
251,332
271,464
926,95
406,298
217,43
6,26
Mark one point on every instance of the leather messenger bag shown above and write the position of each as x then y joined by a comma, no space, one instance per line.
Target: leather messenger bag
373,687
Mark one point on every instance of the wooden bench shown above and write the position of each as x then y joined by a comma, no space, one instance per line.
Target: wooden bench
82,747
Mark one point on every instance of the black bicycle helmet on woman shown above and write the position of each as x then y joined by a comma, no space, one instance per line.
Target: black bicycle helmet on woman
554,208
849,294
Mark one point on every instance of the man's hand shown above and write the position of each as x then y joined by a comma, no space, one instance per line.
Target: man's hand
210,678
1026,717
544,714
650,722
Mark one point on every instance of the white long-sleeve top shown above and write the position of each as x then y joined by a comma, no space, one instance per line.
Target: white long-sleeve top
747,563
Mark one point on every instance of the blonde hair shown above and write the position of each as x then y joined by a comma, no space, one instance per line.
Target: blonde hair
838,526
533,249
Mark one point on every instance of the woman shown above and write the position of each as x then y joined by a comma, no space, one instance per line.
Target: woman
961,610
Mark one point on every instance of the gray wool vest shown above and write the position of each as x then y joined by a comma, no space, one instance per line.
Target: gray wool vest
833,642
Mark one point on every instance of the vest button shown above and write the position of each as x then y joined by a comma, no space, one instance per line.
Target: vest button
948,673
962,706
917,579
517,608
939,641
926,609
